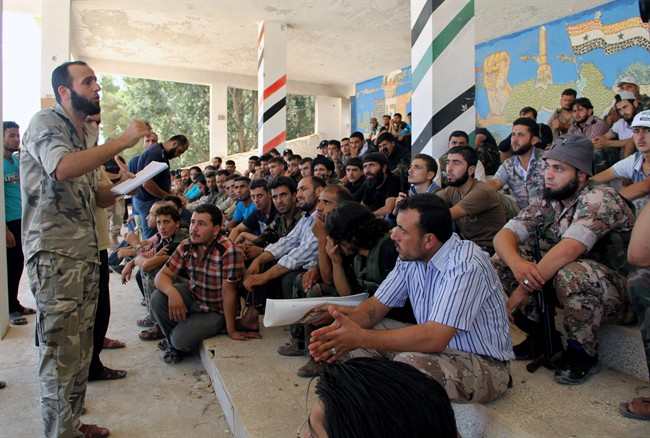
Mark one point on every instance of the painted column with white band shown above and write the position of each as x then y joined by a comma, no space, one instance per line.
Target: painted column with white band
442,71
271,86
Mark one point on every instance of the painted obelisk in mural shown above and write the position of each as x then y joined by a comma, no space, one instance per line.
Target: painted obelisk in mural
544,75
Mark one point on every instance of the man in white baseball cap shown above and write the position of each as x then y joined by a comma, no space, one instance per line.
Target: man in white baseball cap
629,83
636,167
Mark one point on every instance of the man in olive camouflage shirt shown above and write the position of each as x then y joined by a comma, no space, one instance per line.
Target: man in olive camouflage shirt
584,233
59,173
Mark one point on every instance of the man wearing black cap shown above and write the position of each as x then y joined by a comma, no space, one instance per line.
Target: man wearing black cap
322,147
584,232
381,187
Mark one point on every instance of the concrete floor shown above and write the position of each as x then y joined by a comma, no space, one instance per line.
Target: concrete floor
154,400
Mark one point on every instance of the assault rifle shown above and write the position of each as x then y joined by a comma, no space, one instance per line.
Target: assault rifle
546,325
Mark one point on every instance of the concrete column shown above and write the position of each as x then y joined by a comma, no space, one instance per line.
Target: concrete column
272,86
442,62
328,117
218,120
55,44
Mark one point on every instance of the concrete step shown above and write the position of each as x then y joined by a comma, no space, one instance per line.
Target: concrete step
262,397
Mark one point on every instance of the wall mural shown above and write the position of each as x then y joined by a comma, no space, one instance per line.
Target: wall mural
388,94
589,52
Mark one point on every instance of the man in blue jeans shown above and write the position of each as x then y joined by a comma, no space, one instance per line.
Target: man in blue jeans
160,185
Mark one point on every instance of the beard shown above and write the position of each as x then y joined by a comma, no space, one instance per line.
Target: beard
84,105
306,207
458,181
375,179
629,119
171,154
522,149
563,192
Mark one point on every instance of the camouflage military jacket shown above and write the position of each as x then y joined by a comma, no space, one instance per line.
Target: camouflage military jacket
523,189
595,213
278,228
58,216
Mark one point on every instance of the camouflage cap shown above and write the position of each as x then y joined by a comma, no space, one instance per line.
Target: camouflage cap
575,150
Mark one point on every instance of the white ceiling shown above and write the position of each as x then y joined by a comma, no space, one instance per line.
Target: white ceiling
337,42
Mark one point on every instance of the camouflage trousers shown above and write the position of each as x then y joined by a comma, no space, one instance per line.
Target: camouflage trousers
589,292
65,290
605,158
467,377
302,332
638,286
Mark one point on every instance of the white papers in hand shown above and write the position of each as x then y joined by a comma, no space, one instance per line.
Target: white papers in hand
283,312
152,169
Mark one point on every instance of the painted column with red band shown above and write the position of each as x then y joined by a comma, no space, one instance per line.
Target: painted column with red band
271,86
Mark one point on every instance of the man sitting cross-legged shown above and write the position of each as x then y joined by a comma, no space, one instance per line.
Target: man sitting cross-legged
462,336
152,254
188,313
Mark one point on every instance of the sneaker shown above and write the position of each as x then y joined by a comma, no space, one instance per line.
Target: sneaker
310,369
291,348
15,318
576,366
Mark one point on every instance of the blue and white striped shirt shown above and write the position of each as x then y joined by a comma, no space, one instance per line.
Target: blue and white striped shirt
458,288
299,248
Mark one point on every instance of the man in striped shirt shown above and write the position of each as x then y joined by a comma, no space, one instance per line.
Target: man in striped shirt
461,338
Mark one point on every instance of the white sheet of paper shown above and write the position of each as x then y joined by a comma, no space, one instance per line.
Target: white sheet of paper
284,312
152,169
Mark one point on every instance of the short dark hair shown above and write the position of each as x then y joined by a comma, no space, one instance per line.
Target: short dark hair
342,193
344,388
386,136
354,161
570,92
357,134
253,158
243,178
459,134
230,162
209,167
274,151
180,139
175,199
355,223
232,177
210,173
432,165
266,157
528,109
295,157
199,178
329,164
216,217
345,138
218,159
468,153
583,102
435,216
398,115
335,143
306,160
61,77
223,172
316,181
280,161
280,181
257,183
197,168
168,210
9,125
532,126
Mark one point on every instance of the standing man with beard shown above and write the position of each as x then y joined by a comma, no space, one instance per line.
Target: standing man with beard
474,206
160,185
381,187
59,172
523,173
578,225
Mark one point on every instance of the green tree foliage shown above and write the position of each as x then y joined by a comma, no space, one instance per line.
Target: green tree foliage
243,118
171,108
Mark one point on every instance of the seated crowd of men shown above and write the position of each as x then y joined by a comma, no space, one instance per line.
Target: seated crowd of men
443,247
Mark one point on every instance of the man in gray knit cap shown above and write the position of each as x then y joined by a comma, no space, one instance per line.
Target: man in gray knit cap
584,231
